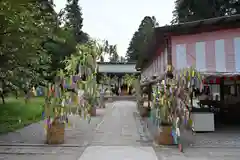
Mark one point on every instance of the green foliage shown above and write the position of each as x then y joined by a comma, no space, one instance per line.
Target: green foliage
141,38
113,53
74,20
110,50
129,79
32,43
85,59
24,26
191,10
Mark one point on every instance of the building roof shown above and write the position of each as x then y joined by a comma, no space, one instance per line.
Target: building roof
193,27
205,25
121,63
107,67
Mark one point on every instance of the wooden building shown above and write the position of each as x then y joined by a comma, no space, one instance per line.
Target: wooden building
118,70
212,46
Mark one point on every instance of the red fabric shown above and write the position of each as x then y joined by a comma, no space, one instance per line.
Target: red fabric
204,81
217,80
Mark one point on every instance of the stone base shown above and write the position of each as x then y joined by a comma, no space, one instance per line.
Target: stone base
124,93
93,111
55,133
110,100
164,136
144,112
102,106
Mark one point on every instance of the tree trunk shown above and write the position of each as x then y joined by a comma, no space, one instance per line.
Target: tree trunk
2,91
3,99
26,96
16,94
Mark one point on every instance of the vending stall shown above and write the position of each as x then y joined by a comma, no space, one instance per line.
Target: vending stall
222,92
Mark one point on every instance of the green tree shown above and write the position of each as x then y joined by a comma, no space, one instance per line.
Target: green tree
141,38
74,21
32,44
191,10
104,49
58,50
122,59
24,26
113,53
110,50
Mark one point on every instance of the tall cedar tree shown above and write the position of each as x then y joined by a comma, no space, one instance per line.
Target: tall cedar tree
114,57
192,10
140,38
74,20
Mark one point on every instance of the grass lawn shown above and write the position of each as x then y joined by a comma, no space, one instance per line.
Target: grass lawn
15,114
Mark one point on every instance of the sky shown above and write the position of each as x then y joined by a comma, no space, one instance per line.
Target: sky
117,20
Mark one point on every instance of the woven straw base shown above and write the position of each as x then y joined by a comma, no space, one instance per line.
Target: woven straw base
164,137
55,134
93,111
109,100
144,112
124,92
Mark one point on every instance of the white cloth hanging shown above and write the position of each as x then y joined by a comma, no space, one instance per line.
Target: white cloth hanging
177,127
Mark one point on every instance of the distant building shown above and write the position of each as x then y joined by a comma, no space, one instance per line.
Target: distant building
118,70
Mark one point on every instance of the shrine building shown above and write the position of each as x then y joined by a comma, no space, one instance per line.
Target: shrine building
211,46
117,70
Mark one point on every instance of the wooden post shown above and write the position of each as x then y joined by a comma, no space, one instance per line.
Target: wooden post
235,87
169,51
149,94
222,90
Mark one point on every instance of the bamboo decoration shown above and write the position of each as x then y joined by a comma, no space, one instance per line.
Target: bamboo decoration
55,127
61,96
174,88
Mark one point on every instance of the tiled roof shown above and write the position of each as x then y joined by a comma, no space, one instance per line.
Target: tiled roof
116,68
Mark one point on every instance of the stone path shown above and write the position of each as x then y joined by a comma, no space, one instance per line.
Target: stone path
118,126
28,143
220,138
198,154
115,134
117,137
79,132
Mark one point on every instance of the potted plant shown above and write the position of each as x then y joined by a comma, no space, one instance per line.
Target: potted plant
138,94
166,108
90,95
145,108
89,65
91,102
172,90
82,66
55,116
